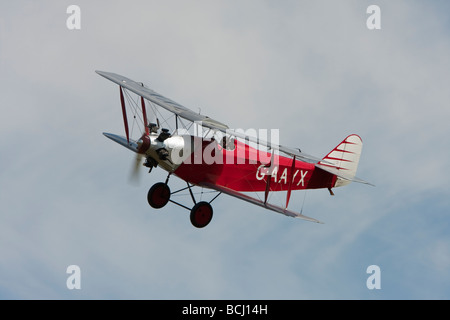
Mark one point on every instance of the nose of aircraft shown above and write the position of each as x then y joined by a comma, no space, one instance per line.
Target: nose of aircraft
143,143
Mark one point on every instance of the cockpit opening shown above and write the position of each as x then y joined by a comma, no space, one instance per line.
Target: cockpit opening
228,143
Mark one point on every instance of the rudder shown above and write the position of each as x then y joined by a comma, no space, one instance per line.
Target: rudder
345,158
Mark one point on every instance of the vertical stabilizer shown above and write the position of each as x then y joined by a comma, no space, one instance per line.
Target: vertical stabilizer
344,158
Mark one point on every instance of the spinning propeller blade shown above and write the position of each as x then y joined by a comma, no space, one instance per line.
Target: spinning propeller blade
134,175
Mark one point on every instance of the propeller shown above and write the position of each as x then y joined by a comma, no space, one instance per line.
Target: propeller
134,177
142,146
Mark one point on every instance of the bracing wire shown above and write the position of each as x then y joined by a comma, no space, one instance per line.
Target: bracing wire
303,204
138,120
134,107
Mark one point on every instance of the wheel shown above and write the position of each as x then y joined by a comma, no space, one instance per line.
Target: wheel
201,214
158,195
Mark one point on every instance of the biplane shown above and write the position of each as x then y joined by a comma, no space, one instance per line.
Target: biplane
224,160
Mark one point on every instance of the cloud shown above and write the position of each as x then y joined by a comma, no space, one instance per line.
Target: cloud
311,69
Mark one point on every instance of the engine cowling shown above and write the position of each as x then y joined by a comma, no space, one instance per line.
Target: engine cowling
143,144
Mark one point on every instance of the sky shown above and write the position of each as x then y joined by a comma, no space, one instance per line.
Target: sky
312,69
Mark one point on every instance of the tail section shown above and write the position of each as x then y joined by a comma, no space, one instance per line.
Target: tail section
343,160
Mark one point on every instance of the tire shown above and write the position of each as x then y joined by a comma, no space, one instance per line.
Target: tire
201,214
158,195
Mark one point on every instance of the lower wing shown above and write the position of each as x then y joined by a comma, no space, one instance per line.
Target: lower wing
260,203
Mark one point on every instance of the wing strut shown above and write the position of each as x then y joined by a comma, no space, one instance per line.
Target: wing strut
266,193
269,177
124,113
144,114
288,196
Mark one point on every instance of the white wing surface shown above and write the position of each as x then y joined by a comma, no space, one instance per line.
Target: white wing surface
162,101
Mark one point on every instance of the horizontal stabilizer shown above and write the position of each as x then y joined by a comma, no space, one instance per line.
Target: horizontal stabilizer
342,175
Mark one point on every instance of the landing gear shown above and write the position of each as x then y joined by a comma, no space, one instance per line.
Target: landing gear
158,195
201,214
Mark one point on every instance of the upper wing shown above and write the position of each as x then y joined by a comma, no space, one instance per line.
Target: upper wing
190,115
162,101
289,151
260,203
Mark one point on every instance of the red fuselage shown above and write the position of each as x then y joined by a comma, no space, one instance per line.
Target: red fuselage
247,169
